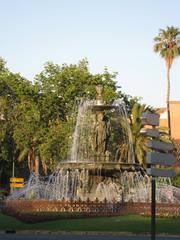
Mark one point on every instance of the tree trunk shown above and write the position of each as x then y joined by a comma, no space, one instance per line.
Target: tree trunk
167,100
45,168
31,161
36,165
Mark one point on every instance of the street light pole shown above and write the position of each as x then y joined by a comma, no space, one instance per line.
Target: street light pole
13,169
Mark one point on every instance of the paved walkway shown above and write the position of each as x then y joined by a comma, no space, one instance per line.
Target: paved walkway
22,236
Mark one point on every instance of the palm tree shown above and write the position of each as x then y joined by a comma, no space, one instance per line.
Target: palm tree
167,44
137,138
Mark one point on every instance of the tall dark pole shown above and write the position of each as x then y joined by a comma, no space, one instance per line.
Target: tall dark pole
13,169
153,209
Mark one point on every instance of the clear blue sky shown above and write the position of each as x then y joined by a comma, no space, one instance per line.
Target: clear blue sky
114,33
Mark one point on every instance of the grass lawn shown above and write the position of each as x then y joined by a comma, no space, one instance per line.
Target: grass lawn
131,223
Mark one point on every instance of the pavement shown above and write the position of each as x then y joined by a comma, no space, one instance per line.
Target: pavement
78,236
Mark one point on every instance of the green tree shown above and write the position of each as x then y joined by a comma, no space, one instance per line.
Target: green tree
136,126
7,145
13,88
63,86
3,65
54,147
27,132
167,44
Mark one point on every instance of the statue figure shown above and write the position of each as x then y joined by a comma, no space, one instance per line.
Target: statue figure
99,99
100,129
100,134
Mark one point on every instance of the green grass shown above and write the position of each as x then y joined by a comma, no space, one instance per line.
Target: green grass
131,223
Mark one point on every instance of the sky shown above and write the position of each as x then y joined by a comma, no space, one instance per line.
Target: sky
117,34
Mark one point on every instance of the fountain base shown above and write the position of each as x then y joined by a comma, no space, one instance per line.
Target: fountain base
101,168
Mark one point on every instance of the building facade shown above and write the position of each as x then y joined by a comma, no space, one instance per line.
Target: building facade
175,123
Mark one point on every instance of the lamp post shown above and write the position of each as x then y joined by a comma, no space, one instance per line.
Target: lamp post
13,168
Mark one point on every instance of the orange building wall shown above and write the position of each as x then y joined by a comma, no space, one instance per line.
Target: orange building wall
175,125
175,119
163,123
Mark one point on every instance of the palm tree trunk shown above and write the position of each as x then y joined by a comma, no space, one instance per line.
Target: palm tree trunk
167,100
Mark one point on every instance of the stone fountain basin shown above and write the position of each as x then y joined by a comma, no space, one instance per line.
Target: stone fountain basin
104,168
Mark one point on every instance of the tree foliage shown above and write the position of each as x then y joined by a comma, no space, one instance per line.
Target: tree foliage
167,44
37,118
136,125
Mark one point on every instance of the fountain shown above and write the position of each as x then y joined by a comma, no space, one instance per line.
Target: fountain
100,163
